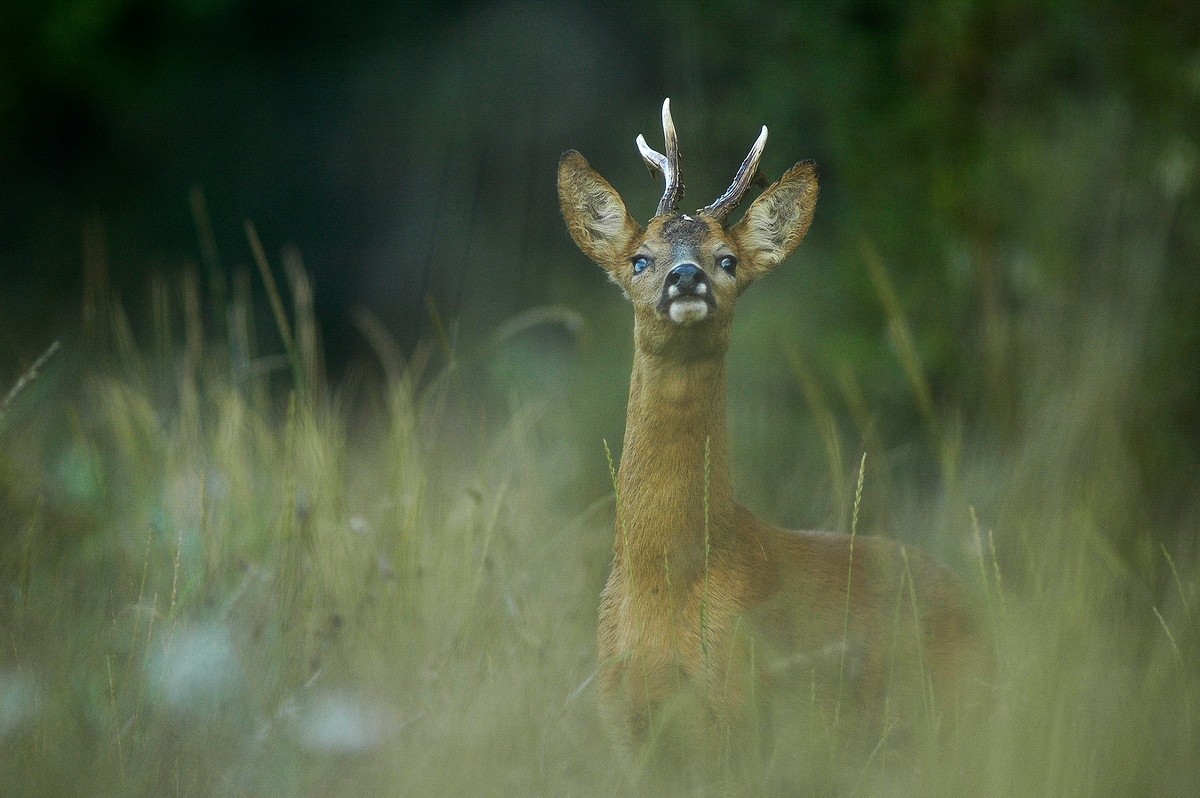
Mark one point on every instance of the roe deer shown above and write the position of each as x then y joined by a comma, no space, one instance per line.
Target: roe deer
704,598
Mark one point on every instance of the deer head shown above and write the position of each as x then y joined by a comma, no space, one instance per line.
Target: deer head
683,272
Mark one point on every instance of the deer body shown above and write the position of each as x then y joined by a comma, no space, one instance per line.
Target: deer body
704,600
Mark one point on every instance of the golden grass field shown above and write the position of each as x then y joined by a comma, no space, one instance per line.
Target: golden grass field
224,575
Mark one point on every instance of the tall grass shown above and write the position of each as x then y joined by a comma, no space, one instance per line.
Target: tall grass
223,575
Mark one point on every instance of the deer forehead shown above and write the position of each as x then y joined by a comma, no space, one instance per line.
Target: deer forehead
684,236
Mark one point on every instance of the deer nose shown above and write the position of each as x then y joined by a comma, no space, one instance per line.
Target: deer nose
685,276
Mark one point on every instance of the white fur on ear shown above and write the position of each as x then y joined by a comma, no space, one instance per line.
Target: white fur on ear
776,222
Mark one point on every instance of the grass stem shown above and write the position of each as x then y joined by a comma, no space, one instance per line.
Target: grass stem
276,301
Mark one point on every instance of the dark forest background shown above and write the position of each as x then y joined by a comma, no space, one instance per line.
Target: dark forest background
1001,157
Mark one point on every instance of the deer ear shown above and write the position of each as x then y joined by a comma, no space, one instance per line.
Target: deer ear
594,212
776,222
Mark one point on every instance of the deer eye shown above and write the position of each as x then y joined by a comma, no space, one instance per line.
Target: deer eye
729,264
640,263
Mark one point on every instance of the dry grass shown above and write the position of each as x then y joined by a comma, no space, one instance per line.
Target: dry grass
223,576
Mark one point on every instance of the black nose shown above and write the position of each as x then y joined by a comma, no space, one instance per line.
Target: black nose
685,276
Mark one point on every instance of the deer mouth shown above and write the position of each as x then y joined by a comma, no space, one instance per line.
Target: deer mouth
687,295
687,305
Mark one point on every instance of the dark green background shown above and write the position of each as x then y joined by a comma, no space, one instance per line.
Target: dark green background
1011,162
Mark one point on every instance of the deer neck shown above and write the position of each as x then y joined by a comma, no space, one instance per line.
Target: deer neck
675,501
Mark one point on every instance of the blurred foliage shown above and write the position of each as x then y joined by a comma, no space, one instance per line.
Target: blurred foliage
223,575
1000,158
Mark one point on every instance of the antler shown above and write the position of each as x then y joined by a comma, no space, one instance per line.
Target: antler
723,205
666,165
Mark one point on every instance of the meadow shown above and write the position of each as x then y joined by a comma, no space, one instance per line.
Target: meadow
229,567
224,574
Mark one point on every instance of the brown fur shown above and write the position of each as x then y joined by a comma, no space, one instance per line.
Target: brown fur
701,590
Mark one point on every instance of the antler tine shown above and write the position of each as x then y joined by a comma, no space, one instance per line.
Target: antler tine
666,165
674,189
746,176
656,162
